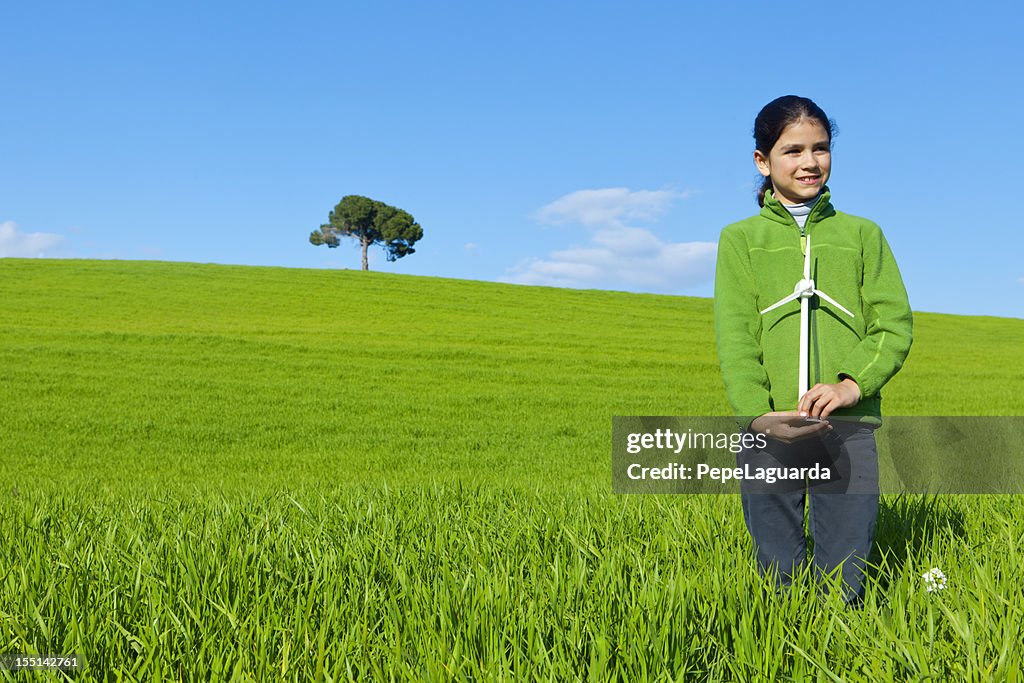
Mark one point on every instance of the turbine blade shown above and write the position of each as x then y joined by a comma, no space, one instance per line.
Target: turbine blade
807,259
781,301
832,301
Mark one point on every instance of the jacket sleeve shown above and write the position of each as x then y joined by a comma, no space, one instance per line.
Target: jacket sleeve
738,330
888,318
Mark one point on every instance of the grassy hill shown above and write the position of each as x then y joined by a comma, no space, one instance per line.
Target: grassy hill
168,373
218,472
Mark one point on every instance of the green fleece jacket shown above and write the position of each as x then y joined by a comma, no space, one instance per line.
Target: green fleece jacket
760,260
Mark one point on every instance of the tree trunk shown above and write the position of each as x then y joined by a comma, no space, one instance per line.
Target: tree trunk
366,244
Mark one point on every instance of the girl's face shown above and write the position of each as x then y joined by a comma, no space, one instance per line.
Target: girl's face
799,163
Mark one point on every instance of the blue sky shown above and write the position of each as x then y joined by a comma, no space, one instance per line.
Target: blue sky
587,144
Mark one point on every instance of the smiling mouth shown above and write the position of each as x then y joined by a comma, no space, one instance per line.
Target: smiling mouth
808,180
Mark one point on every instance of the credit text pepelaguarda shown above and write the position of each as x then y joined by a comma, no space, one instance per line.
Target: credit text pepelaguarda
700,471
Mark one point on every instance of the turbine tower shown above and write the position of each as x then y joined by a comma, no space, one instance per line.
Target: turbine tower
804,290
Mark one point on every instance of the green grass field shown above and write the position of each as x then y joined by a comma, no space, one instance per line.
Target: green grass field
238,473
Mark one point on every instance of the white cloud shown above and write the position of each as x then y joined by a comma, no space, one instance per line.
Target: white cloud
471,248
609,207
627,240
661,267
617,256
14,242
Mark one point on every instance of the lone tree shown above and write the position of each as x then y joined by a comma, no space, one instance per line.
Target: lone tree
370,222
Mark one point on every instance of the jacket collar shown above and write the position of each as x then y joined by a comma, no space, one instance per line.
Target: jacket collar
774,210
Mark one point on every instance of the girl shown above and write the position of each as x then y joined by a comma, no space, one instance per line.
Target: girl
850,358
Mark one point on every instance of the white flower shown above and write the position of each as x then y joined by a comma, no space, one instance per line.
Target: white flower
934,579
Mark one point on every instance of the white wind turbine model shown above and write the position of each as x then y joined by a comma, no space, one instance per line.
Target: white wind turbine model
804,290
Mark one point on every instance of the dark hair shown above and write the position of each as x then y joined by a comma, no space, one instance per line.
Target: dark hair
773,119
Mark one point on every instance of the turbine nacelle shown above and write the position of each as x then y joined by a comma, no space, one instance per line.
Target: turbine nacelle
804,289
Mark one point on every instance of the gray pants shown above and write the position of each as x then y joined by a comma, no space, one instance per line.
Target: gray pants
843,509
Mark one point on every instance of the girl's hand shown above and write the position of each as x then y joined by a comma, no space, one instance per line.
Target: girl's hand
822,399
787,426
